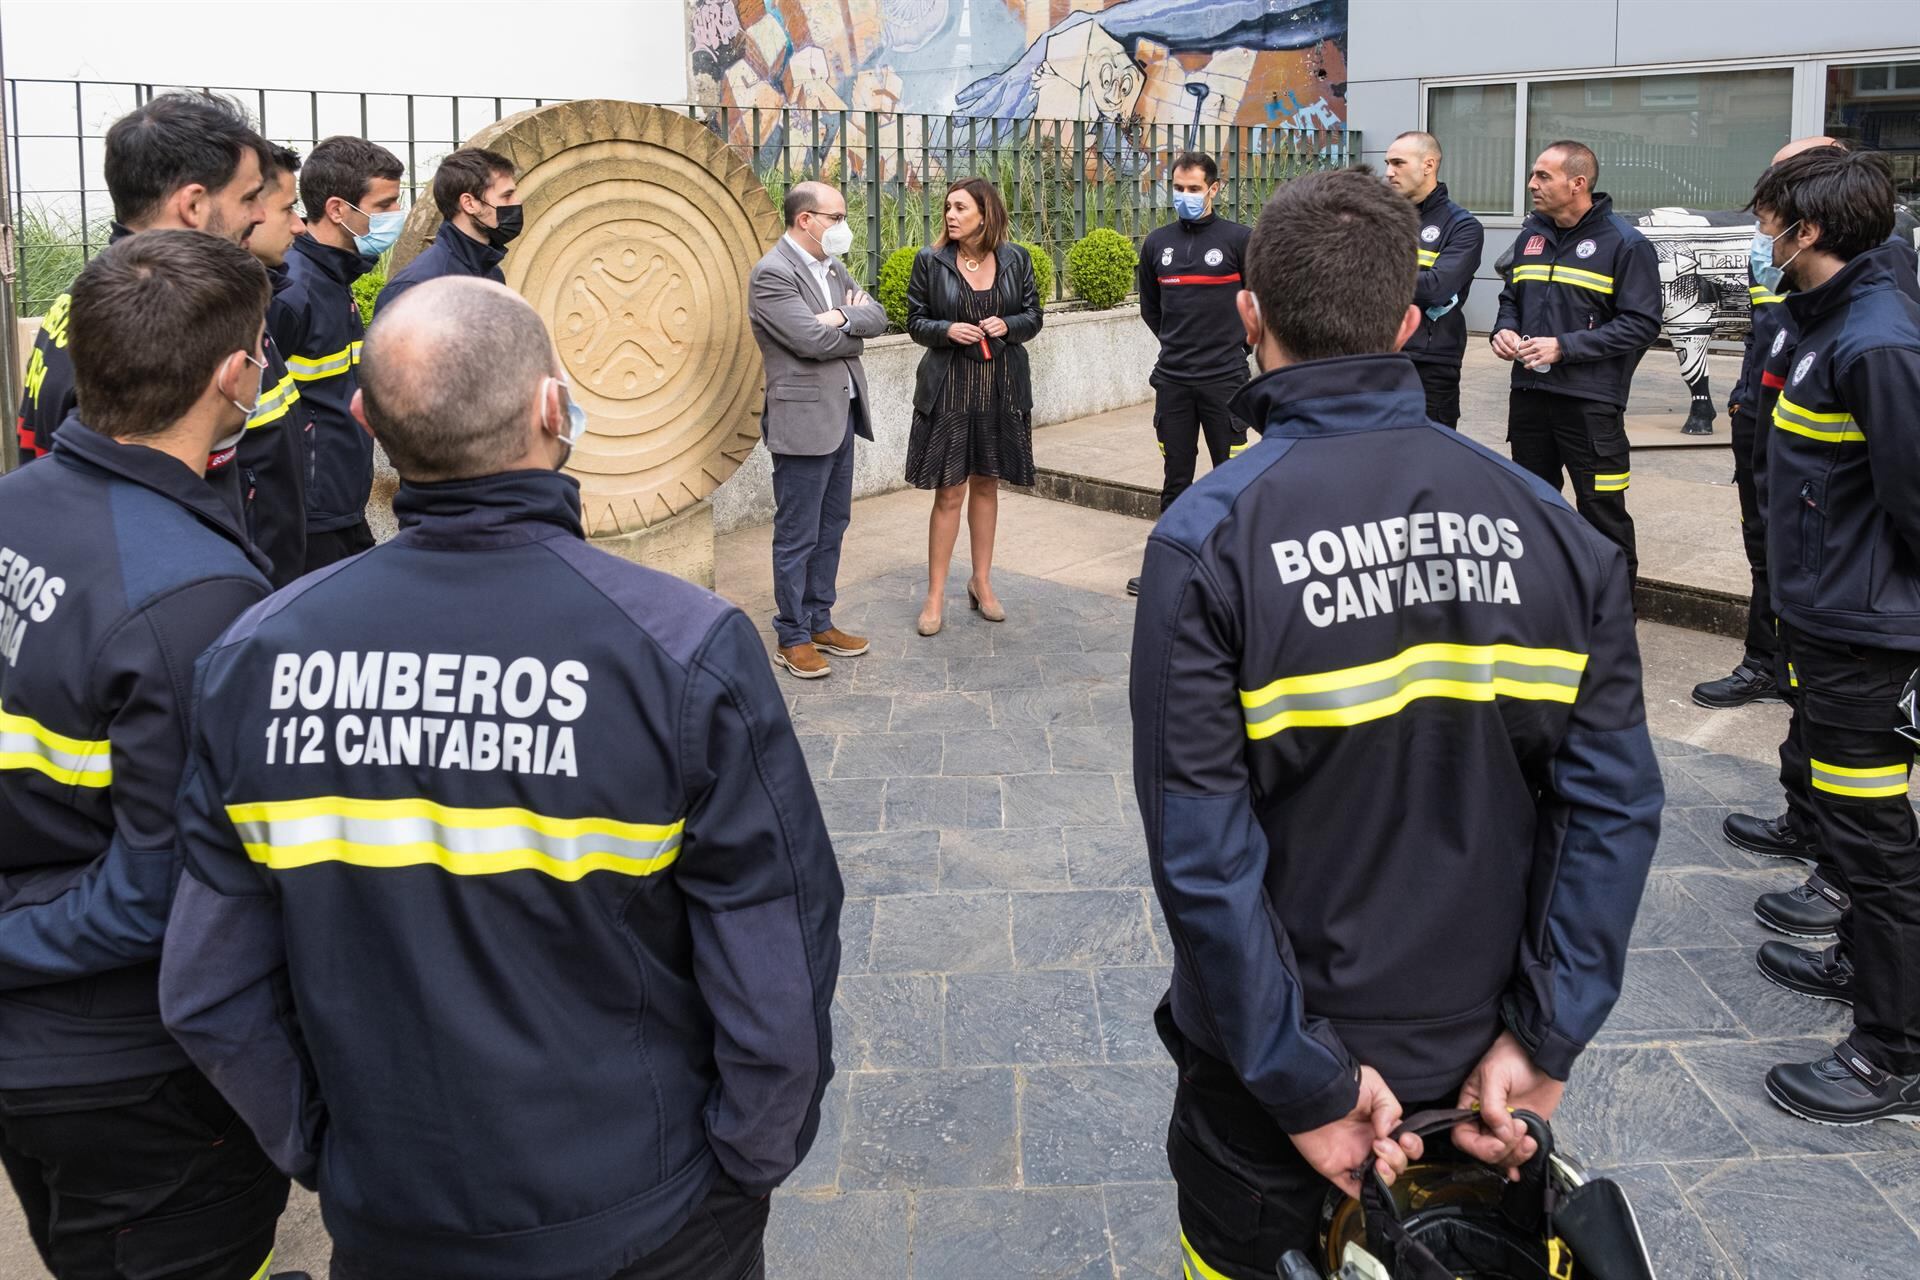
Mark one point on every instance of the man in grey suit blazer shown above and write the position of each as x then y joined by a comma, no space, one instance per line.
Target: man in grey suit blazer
810,320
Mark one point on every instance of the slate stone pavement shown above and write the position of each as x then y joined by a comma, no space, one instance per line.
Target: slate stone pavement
1001,1100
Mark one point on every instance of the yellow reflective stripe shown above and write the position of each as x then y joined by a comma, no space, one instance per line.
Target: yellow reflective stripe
1194,1265
286,834
1872,783
1428,256
273,405
1579,279
25,743
1469,673
1534,271
1761,297
311,369
1793,677
1833,428
266,1268
1235,450
1612,483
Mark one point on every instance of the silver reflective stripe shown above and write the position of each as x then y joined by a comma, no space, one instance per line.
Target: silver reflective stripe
24,744
287,833
1472,673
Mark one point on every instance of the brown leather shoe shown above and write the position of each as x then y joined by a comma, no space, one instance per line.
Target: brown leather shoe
803,662
840,644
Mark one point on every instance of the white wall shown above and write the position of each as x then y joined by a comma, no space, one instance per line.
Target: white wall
634,49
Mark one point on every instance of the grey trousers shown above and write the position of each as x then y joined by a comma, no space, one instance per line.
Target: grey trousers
812,504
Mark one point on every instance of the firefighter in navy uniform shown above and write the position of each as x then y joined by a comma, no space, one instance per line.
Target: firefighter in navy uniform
1842,486
509,917
1190,272
1580,308
350,189
184,161
273,456
480,210
1367,605
118,566
1451,240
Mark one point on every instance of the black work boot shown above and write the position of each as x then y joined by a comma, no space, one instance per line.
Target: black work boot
1843,1088
1133,586
1745,685
1810,911
1769,837
1824,975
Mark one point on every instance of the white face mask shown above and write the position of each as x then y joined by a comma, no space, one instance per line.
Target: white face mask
837,240
246,411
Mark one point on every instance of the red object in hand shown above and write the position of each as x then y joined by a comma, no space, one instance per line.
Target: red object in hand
986,351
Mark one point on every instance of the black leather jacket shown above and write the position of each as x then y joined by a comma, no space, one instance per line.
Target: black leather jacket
936,297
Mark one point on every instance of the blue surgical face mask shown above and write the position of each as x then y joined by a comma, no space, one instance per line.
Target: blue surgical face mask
1190,205
383,229
1760,260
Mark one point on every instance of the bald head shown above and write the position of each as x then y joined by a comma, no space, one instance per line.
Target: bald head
1413,164
1798,145
807,197
451,379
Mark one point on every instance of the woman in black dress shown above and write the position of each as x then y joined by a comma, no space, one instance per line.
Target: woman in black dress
973,305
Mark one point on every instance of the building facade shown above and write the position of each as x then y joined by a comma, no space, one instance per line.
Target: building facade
1684,101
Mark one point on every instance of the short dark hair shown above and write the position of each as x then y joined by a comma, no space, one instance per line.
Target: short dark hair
172,141
467,172
346,167
151,319
802,197
1849,195
1426,141
1333,261
1579,160
1196,160
283,160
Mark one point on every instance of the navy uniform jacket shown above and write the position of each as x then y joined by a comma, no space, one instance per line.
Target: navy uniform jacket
118,565
1389,748
509,915
1451,240
1189,275
452,253
272,459
318,328
1596,287
1843,457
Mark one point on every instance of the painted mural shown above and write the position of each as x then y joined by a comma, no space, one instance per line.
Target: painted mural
1121,63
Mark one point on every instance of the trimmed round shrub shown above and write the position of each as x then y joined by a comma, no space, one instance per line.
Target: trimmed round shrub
895,273
367,288
1100,268
1042,270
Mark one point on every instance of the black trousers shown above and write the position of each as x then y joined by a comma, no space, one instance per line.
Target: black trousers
148,1179
1245,1193
1182,412
335,545
1853,771
1761,642
1441,382
1549,432
721,1240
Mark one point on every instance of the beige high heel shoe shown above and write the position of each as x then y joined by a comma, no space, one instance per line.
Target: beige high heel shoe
932,628
992,613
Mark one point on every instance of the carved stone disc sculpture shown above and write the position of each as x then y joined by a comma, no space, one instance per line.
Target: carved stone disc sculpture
641,227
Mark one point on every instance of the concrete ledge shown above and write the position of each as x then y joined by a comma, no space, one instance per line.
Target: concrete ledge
1719,613
1115,496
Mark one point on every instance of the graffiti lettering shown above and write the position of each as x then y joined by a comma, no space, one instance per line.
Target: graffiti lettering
715,23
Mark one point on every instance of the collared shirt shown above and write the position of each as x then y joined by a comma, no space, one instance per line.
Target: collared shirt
822,276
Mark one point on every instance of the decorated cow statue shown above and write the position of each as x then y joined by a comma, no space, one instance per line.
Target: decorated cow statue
1705,292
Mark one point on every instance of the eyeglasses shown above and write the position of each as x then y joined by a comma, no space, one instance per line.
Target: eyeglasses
830,217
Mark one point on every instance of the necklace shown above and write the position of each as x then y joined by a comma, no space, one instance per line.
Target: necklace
971,264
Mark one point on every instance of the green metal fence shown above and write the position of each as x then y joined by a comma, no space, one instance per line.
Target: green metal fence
1060,178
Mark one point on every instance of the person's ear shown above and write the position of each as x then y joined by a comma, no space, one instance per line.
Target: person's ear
191,205
1250,316
1804,236
1409,325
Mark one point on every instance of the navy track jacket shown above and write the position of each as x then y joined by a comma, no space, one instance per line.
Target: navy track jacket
1389,748
1843,457
118,566
452,253
1596,287
275,454
1451,240
1189,275
317,326
509,915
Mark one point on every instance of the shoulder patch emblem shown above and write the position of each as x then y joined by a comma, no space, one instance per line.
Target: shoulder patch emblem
1429,234
1800,370
1215,257
1585,249
1166,256
1779,342
1536,244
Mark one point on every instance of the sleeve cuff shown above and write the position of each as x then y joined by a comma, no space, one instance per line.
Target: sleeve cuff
1552,1052
1337,1099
